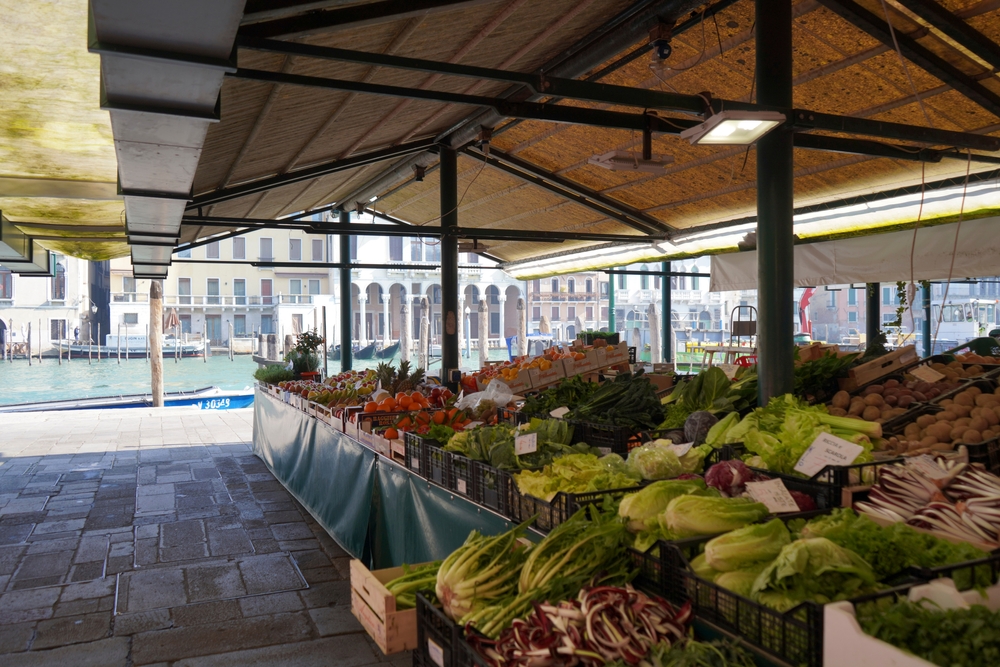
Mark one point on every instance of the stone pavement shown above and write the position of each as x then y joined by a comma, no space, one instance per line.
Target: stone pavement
145,537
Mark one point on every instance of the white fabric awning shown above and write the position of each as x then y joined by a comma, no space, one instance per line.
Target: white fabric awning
879,258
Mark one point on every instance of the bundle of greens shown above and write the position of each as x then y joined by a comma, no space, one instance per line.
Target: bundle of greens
697,654
587,549
946,637
495,444
816,379
778,435
273,374
576,473
419,578
480,572
629,400
892,549
569,393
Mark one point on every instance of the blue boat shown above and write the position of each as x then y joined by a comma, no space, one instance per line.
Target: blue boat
208,398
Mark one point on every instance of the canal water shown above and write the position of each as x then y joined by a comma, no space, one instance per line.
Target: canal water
49,381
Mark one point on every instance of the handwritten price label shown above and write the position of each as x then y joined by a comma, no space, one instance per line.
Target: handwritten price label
827,450
926,373
774,495
526,444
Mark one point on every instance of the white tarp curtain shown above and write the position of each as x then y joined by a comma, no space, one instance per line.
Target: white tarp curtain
878,258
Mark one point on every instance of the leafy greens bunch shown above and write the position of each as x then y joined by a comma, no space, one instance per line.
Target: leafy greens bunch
629,400
712,391
495,444
576,473
569,393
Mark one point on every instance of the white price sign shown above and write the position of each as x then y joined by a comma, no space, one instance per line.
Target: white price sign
526,444
729,369
773,495
559,412
926,466
926,373
827,450
681,450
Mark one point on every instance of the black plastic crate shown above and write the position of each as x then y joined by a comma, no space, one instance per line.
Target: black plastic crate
492,487
986,385
827,487
611,438
966,575
985,453
437,636
511,417
459,475
551,513
413,444
794,637
434,461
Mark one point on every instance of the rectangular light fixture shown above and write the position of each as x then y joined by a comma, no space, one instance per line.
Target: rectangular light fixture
626,161
734,128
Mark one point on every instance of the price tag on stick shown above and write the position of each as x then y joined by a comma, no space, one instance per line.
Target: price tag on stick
827,450
559,412
526,444
774,495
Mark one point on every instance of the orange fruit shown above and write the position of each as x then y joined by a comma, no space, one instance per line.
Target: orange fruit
371,406
390,434
387,405
417,396
405,422
401,395
405,404
439,417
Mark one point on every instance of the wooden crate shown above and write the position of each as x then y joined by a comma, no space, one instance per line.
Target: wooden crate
375,608
884,365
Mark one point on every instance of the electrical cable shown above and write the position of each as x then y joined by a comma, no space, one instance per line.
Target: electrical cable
902,61
954,248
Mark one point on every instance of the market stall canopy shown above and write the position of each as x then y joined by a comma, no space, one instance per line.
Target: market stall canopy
882,258
331,106
57,162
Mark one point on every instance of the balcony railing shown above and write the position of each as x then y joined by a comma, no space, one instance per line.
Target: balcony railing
213,300
299,299
129,297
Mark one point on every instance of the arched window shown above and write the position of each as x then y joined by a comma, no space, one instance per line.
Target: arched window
555,285
492,295
475,296
571,286
644,279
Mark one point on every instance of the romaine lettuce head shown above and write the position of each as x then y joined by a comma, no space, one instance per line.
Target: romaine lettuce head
740,581
693,460
652,461
703,569
746,546
641,509
813,569
688,516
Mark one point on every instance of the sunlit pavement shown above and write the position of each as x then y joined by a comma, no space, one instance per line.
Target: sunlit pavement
139,537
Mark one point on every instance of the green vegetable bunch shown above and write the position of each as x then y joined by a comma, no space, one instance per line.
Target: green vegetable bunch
569,393
946,637
273,374
495,444
711,390
695,654
576,473
629,400
419,578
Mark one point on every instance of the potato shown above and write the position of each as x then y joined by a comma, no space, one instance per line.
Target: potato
872,389
918,396
928,440
962,421
989,434
946,416
874,399
837,412
965,399
841,400
957,432
946,402
871,413
911,431
891,399
979,424
983,399
996,392
991,417
973,391
960,410
889,384
904,401
856,409
972,437
941,431
923,421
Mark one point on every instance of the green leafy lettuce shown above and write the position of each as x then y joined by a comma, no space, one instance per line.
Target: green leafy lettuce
747,546
690,515
640,510
574,473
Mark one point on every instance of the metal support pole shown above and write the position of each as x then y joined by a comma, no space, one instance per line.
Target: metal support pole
611,305
873,313
926,326
667,331
154,340
449,261
345,297
326,355
119,341
775,271
98,342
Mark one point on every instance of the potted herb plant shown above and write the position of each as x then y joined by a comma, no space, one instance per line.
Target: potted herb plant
305,356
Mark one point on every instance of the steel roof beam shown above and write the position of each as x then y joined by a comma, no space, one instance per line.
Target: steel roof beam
923,57
323,19
409,230
957,29
575,192
362,159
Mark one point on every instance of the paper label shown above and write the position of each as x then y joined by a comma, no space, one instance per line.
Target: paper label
435,652
415,463
471,425
681,450
526,444
604,450
729,369
827,450
773,495
559,412
926,373
926,466
461,486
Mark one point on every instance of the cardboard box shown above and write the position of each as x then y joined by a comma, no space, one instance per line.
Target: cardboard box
618,355
572,367
518,386
540,378
598,358
375,608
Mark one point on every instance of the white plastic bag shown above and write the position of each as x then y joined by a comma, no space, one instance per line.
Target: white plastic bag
484,403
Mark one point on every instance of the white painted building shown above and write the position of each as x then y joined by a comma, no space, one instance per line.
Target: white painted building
53,308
